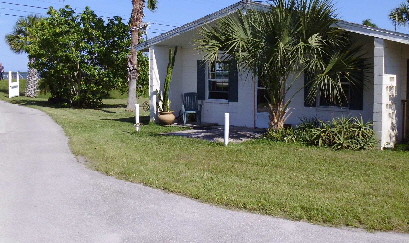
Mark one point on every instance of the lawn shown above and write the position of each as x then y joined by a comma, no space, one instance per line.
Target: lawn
365,189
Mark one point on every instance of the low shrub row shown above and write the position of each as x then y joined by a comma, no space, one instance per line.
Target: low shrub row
339,133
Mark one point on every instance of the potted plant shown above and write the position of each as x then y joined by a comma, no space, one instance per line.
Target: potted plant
166,116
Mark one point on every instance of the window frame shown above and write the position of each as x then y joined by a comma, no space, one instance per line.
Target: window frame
213,82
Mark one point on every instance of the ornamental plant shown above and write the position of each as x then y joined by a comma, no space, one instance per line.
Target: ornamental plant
164,100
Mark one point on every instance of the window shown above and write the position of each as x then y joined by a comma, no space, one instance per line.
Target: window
262,101
345,98
221,78
352,100
218,80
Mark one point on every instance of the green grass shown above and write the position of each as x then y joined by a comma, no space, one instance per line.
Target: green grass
365,189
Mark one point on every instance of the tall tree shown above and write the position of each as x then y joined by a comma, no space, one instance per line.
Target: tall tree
80,57
400,15
136,24
278,45
18,40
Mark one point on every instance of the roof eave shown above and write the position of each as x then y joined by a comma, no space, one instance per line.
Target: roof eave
348,26
195,24
372,31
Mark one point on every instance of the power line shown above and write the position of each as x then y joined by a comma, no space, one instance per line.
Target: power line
14,15
18,10
206,2
155,23
167,25
24,5
49,2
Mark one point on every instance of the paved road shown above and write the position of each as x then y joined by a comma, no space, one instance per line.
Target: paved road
47,196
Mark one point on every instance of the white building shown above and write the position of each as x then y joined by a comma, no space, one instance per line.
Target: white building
383,100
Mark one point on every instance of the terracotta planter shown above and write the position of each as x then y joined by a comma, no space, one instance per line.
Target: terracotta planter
166,117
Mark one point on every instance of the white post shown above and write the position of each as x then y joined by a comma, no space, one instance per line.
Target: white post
226,128
14,87
10,79
137,125
11,94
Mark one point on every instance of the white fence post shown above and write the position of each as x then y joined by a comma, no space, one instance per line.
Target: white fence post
137,125
226,128
14,87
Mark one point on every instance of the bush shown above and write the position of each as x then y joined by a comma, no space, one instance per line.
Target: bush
339,133
80,57
282,135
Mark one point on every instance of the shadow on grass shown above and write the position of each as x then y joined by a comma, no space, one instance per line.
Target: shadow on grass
106,106
46,103
142,119
107,111
34,102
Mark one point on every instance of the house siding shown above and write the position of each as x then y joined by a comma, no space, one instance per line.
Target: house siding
390,61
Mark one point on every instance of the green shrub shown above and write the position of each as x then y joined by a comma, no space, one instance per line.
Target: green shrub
339,133
282,135
305,131
345,133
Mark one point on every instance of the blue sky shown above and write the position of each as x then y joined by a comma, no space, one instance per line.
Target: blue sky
171,13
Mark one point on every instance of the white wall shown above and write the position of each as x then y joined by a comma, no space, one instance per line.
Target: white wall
241,112
185,80
395,63
157,69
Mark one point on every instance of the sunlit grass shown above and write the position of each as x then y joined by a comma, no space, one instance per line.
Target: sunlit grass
367,189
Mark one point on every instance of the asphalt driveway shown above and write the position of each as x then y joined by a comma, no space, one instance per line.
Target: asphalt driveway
46,195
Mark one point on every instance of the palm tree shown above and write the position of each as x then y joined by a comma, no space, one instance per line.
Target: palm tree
18,40
400,15
136,23
368,22
278,45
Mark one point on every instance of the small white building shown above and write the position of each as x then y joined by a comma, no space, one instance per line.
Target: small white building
383,100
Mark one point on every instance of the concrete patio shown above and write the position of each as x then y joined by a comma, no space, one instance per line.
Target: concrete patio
215,133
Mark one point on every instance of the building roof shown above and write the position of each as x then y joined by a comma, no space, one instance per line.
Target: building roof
245,4
242,5
374,32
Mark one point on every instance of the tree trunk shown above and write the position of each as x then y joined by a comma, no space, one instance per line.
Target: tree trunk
133,72
32,81
278,112
277,116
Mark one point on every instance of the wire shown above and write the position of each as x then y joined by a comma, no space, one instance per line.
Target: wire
18,10
24,5
153,23
206,2
14,15
50,2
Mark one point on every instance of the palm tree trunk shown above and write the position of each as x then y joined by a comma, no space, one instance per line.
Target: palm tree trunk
32,81
133,72
278,112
